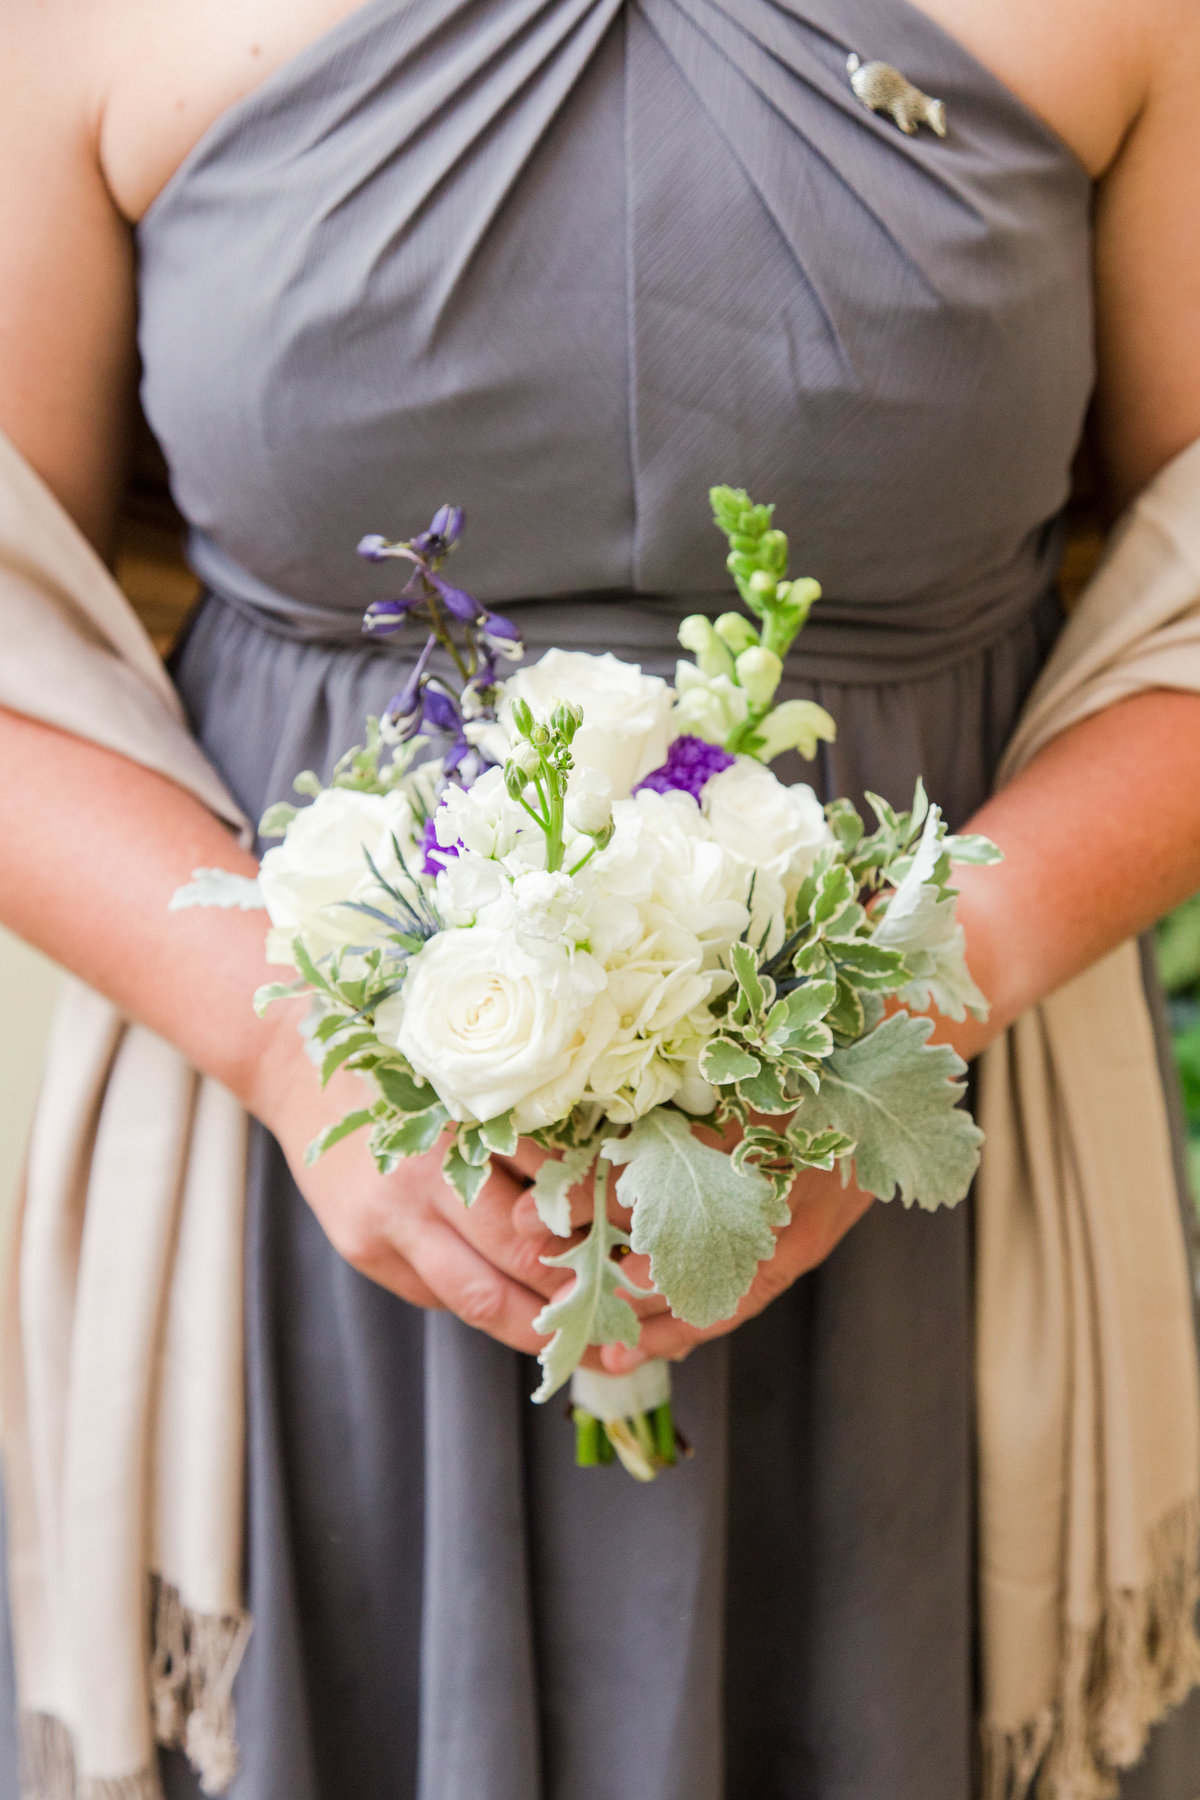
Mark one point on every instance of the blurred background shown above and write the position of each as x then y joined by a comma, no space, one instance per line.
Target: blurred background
150,568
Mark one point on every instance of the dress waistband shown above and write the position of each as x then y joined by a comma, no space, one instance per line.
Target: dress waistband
845,644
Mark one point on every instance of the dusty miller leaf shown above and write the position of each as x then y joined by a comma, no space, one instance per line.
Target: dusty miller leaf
896,1096
553,1183
942,979
704,1224
590,1311
218,887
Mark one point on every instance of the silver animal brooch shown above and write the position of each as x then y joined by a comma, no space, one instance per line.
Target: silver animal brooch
885,90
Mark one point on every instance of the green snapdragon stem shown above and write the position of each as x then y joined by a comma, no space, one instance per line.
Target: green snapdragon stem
663,1421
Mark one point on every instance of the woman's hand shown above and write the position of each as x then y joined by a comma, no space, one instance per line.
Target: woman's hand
409,1231
823,1210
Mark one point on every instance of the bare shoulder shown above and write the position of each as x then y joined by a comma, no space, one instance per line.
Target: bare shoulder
173,69
1148,254
66,331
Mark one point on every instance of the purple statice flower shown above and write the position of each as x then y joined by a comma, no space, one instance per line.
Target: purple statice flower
436,855
690,763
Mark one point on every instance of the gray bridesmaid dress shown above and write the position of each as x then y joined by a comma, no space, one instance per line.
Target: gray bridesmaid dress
567,262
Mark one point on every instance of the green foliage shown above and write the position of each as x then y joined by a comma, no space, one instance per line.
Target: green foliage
591,1310
1177,941
704,1223
276,819
1178,946
553,1183
895,1097
463,1167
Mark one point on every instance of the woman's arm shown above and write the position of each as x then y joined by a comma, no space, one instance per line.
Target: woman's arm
94,845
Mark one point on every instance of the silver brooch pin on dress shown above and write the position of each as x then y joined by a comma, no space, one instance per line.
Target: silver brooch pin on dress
885,90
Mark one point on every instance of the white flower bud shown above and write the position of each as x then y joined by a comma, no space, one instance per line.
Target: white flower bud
736,630
759,672
697,635
589,803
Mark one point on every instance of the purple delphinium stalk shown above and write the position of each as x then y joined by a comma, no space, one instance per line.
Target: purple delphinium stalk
471,636
690,763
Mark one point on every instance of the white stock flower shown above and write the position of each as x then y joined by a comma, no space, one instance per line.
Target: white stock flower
491,1034
467,884
707,706
759,672
626,715
544,903
482,817
306,880
774,829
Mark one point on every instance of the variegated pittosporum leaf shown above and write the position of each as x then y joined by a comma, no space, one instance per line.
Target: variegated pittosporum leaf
920,923
704,1223
896,1097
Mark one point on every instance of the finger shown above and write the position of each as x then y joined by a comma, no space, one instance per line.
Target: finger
526,1159
396,1273
488,1224
822,1216
527,1219
472,1287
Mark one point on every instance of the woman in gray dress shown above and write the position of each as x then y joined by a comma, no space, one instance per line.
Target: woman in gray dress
567,265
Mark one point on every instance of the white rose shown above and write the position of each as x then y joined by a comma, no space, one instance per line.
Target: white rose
494,1038
774,828
306,880
626,715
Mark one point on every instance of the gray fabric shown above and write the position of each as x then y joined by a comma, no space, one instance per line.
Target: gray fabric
567,264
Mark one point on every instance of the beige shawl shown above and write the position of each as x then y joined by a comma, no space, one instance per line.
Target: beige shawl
123,1392
1089,1404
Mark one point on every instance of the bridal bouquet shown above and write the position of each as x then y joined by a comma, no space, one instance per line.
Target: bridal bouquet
575,905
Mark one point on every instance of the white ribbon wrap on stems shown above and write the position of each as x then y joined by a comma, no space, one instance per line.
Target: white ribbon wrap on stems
612,1397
